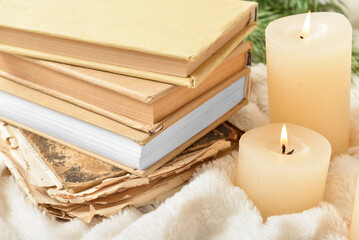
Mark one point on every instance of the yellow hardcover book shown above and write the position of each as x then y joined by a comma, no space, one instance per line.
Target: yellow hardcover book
169,41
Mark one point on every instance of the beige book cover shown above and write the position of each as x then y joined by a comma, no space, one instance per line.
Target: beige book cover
147,29
136,102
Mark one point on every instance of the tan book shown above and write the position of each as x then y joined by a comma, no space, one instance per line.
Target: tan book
118,97
109,140
159,40
67,182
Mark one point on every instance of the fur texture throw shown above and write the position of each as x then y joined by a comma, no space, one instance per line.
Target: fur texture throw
210,206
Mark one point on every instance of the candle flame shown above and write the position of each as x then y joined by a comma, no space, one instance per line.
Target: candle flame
283,136
306,26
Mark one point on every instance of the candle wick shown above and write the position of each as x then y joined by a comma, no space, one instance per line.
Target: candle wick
290,153
301,37
283,148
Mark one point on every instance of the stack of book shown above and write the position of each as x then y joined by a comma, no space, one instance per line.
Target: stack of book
104,104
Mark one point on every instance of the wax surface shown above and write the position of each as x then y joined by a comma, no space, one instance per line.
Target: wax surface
354,228
279,183
309,79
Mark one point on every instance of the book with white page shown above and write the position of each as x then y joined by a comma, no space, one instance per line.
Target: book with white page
114,146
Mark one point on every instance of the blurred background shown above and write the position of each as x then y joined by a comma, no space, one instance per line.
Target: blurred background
352,11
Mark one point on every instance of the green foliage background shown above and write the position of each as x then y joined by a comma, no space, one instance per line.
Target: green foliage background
270,10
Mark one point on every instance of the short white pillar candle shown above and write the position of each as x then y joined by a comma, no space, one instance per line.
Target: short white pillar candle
283,182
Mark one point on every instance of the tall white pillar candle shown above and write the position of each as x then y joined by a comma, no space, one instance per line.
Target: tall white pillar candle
283,182
309,74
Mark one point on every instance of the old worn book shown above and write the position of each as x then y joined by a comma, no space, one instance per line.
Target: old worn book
71,184
112,141
115,96
159,40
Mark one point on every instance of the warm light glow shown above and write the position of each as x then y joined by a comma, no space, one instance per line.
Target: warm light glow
306,27
283,136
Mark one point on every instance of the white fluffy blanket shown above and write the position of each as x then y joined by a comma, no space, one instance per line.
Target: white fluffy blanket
209,207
